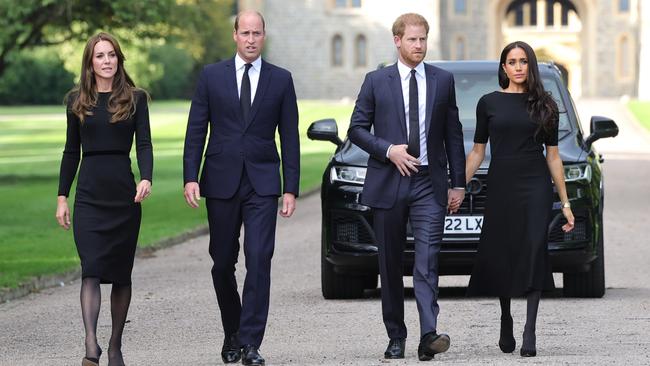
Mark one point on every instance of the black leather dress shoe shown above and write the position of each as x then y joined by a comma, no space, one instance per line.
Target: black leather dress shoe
231,351
250,355
395,348
432,344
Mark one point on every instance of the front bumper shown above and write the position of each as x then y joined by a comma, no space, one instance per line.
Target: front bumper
350,243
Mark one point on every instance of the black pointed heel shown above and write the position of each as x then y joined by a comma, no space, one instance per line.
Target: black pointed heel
528,352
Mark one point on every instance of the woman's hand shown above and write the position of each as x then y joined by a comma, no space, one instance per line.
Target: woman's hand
63,212
142,191
568,215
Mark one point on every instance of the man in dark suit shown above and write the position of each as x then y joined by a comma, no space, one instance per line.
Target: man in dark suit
412,108
243,100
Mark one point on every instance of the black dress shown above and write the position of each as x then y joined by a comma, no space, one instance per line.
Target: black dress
106,221
512,256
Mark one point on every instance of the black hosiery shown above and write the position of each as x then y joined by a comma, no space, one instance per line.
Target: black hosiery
91,298
532,305
120,301
506,337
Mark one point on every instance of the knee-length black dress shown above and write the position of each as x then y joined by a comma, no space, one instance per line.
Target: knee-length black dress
106,220
512,257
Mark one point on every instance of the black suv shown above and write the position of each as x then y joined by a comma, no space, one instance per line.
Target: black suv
349,252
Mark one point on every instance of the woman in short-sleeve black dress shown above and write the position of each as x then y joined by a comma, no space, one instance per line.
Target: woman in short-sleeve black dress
512,259
104,113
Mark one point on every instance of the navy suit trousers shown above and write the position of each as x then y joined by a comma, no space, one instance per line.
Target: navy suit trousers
416,202
225,216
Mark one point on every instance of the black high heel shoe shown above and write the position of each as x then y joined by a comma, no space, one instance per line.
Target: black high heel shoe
528,341
91,361
527,352
507,341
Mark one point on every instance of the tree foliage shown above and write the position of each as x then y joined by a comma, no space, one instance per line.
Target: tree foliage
36,77
31,23
201,27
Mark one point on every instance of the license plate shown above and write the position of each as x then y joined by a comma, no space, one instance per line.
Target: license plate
463,224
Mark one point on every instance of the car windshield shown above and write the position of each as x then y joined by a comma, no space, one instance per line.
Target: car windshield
470,86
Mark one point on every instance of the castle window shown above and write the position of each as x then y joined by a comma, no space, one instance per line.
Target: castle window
337,50
460,7
624,59
459,53
623,6
544,13
360,51
347,3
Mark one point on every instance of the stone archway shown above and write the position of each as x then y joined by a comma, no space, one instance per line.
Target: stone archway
563,29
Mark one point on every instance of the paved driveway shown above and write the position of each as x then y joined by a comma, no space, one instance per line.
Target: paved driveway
174,316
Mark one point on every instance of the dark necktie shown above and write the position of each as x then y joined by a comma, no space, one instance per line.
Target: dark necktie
414,120
245,94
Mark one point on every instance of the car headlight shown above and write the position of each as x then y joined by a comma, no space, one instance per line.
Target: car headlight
348,174
576,172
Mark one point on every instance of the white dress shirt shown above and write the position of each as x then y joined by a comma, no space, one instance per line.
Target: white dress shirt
405,77
253,74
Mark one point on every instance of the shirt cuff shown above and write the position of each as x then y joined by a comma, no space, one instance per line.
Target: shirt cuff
388,151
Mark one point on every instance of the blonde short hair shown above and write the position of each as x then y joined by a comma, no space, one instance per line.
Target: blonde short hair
408,19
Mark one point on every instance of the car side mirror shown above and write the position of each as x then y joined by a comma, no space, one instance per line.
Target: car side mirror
601,127
324,130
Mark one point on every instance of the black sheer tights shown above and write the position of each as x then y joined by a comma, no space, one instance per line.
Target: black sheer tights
91,297
506,338
120,300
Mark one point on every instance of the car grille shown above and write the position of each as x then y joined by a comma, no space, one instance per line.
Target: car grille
580,231
355,228
351,229
475,203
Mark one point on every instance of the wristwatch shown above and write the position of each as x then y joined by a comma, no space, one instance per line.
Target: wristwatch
566,204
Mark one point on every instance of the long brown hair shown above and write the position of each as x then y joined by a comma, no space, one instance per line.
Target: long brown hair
541,105
84,95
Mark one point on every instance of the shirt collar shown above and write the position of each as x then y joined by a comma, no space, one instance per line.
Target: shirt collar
404,71
239,63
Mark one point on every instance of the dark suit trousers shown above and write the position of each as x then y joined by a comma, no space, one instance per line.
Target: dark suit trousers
258,214
416,202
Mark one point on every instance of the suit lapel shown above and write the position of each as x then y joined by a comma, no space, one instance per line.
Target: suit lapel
230,78
431,95
395,86
262,85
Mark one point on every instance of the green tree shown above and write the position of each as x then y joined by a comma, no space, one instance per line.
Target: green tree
193,32
32,23
36,77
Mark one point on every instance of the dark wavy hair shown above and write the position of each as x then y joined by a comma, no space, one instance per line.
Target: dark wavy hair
541,105
83,97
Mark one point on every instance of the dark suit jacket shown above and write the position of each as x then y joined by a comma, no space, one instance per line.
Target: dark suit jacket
235,143
380,105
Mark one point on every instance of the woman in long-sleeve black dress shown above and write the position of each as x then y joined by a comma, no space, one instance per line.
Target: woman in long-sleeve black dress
104,113
520,121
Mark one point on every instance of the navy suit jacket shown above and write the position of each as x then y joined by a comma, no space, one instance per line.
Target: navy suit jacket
380,106
234,143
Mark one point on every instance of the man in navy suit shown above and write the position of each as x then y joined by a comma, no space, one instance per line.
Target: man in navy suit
412,108
243,100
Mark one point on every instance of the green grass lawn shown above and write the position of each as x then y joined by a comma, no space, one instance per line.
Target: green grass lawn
642,112
31,142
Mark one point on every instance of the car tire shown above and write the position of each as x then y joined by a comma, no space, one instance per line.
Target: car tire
370,282
590,284
338,286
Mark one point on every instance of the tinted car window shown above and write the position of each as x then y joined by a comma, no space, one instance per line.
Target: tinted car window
471,86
